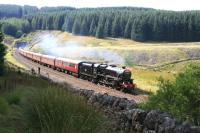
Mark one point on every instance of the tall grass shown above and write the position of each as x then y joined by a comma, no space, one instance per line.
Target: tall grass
29,104
53,110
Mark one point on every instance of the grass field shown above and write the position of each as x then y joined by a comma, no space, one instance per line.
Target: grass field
147,79
31,105
134,54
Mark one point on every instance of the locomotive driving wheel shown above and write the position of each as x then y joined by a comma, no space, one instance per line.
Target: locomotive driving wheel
94,80
114,84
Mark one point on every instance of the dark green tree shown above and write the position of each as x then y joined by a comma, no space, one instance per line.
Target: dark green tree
69,24
9,29
2,54
92,30
34,23
76,27
84,30
140,24
127,32
15,27
107,27
116,27
136,32
99,31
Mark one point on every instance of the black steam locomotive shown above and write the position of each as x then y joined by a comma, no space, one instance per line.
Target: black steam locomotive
108,75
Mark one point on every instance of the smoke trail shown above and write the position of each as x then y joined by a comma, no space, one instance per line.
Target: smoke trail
50,45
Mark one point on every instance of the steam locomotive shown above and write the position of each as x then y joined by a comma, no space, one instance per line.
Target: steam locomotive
104,74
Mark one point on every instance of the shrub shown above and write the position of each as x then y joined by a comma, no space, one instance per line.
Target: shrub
181,97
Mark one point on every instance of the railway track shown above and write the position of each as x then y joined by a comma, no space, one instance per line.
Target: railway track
75,82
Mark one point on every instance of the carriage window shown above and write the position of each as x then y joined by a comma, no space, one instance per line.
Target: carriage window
65,64
72,65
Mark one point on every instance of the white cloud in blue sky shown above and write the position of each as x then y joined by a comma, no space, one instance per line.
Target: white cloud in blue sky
158,4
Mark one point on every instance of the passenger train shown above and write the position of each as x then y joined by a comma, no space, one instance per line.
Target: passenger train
104,74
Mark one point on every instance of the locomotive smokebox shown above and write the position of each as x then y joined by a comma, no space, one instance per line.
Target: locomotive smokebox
124,67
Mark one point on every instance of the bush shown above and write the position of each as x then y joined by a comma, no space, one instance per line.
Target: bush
54,110
181,97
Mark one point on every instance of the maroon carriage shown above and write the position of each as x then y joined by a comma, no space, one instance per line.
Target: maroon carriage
68,65
48,60
37,57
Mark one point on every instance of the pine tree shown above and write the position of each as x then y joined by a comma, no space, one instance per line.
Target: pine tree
137,32
92,30
107,28
152,25
2,54
122,24
69,24
84,28
50,23
33,23
127,32
115,28
99,31
76,27
43,24
60,22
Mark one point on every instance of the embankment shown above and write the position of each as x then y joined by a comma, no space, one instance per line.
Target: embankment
127,117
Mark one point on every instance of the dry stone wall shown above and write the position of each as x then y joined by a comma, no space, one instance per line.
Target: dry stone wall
130,119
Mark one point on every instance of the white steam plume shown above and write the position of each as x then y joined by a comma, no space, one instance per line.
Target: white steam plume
50,45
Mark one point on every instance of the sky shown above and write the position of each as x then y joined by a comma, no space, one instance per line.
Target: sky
176,5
